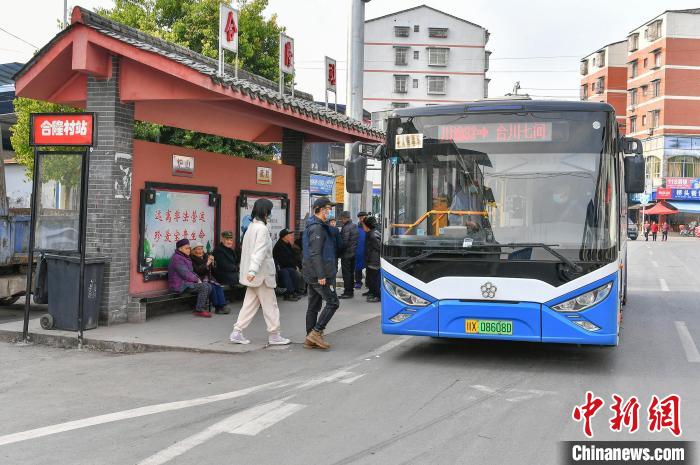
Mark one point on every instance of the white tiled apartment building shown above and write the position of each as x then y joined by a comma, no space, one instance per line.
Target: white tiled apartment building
423,56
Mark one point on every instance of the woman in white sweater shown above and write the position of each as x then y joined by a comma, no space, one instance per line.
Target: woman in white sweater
258,275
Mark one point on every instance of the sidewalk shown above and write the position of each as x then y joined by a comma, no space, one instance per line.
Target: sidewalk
182,331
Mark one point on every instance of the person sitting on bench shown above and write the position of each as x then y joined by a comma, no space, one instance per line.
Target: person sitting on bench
181,278
226,261
288,266
202,263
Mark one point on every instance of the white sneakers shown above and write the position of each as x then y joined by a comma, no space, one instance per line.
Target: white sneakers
277,340
237,337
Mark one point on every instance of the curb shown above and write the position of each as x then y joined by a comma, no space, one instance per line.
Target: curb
118,347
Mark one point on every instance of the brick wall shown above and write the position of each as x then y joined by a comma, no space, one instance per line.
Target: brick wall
298,154
109,198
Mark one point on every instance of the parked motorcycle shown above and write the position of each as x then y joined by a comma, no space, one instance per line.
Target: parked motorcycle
690,230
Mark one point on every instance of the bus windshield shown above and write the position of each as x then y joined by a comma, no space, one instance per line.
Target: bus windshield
547,179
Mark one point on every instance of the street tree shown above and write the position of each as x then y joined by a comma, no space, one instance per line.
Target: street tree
192,24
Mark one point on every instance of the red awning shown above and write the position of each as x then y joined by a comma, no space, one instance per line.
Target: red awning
660,209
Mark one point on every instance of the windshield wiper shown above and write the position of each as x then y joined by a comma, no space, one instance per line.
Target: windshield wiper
470,251
428,253
548,247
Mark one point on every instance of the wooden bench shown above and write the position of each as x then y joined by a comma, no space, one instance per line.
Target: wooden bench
139,303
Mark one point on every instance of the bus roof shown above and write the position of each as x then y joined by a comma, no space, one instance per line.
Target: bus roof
503,105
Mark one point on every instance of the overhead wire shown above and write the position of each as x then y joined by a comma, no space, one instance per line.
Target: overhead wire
19,38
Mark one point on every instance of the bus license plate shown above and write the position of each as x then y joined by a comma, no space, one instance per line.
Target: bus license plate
498,327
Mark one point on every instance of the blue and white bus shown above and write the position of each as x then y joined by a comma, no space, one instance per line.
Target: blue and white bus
506,220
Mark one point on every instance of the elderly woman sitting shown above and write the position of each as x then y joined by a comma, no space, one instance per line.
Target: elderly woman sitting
181,278
202,264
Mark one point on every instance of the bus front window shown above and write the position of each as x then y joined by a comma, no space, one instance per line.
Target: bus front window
559,192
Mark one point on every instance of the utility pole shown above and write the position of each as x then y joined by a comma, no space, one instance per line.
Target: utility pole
353,101
65,13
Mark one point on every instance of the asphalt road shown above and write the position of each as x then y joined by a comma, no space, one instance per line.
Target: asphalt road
373,399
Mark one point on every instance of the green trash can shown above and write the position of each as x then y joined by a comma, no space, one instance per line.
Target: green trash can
63,284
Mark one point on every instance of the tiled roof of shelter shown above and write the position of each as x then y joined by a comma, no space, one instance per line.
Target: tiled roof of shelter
247,83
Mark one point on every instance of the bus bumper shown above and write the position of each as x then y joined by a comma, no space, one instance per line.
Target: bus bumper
533,322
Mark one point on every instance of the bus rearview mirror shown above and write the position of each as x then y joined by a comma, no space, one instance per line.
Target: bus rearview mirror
631,145
356,169
634,174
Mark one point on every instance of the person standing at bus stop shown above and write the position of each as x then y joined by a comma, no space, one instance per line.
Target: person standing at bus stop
372,259
350,236
258,275
319,267
360,250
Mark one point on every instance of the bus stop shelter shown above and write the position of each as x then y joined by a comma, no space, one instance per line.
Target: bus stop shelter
123,75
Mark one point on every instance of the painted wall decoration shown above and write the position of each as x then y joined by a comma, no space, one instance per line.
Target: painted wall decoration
280,214
171,214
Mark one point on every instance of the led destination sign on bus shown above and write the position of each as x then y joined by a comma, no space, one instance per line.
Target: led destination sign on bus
496,132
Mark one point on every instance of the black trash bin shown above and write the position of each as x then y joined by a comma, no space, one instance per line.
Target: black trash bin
63,284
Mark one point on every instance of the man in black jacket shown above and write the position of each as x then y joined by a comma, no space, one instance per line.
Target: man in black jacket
319,267
373,243
288,266
226,260
350,236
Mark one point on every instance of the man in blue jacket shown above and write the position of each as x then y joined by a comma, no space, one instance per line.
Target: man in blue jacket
320,265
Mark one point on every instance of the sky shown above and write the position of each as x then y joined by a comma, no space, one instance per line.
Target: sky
538,43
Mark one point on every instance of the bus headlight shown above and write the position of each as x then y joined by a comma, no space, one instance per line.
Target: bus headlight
404,296
584,301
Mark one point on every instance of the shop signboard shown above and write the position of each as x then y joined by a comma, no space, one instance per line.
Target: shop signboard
322,184
685,194
279,219
642,198
683,183
170,214
663,193
340,189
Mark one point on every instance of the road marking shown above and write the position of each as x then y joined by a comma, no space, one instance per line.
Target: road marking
529,394
664,286
655,263
353,379
248,422
337,375
331,377
265,421
524,394
135,413
387,347
691,350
